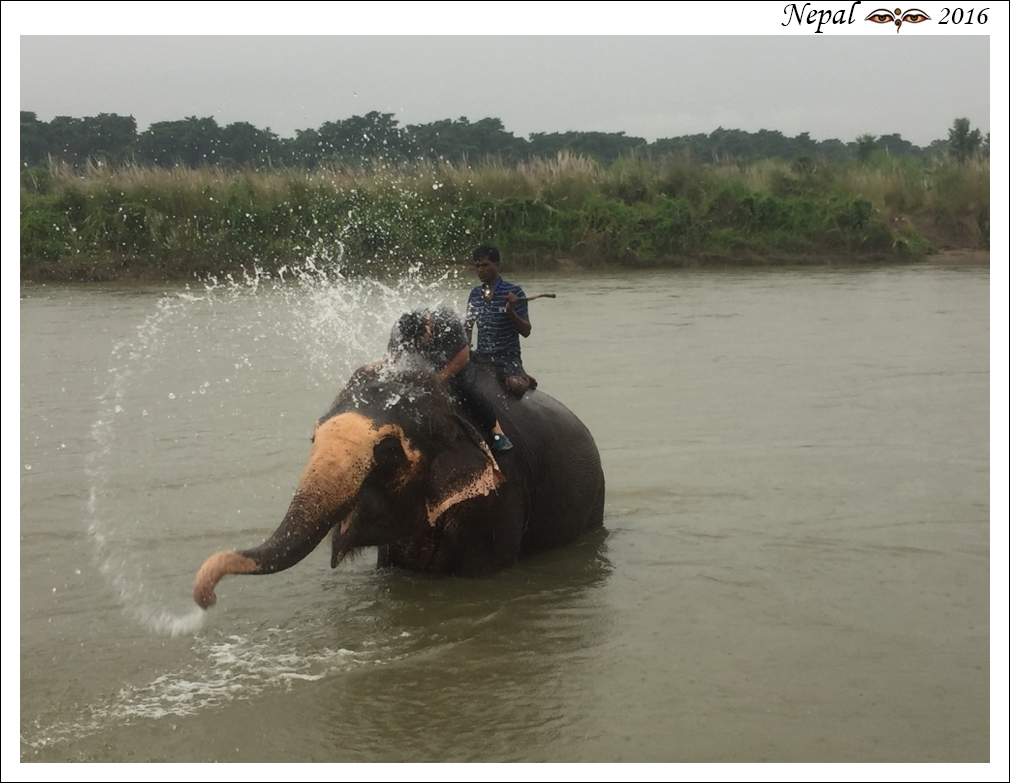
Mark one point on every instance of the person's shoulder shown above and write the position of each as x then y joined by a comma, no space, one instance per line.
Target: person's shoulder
514,288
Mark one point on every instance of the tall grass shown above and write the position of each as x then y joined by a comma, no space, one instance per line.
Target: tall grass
146,221
949,199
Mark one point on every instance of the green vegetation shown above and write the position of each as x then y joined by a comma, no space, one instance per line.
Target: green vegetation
101,201
100,222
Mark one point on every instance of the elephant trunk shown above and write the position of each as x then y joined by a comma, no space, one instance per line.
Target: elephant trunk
305,524
341,460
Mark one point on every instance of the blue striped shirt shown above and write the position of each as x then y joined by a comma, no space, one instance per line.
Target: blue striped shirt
496,334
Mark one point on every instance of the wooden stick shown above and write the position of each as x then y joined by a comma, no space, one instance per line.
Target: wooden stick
537,296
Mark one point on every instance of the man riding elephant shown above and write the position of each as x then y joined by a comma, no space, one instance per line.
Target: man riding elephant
499,310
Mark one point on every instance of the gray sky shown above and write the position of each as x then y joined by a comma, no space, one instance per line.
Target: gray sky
833,86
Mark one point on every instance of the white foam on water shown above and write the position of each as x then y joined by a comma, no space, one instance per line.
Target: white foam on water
225,670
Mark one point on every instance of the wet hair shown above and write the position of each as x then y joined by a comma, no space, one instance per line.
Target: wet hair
408,330
486,251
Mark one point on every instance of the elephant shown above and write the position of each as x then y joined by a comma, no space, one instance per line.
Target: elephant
393,466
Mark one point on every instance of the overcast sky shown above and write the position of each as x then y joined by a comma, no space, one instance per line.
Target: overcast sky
833,86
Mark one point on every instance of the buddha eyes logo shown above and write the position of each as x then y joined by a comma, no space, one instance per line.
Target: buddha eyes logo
884,16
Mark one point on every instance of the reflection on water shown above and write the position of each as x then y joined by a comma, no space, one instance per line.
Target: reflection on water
794,567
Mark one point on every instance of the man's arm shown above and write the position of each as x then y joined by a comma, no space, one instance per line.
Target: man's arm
456,363
521,324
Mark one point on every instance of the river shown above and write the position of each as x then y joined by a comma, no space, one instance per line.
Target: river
795,565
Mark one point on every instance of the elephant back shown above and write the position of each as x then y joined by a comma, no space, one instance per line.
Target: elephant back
555,464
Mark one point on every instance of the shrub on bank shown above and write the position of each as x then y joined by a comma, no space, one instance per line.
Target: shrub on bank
636,212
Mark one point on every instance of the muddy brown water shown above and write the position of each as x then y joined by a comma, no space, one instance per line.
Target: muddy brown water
795,566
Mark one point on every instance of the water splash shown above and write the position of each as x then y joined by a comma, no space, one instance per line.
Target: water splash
233,668
110,533
184,366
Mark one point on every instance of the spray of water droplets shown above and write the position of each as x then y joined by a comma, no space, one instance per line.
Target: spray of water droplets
186,363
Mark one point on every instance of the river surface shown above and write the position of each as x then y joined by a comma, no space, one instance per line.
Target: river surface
795,564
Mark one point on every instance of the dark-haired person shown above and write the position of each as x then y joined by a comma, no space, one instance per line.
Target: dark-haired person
501,315
437,338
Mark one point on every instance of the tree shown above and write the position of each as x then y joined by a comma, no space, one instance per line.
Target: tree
965,142
865,145
834,151
361,139
938,148
34,145
194,141
243,143
66,138
110,137
771,144
304,149
458,139
107,137
687,147
893,144
604,147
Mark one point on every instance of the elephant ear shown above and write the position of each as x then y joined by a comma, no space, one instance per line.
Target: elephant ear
463,470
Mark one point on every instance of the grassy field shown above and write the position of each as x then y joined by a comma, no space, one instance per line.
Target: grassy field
152,223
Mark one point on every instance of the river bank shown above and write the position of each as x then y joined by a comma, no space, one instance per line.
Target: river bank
110,271
120,270
175,224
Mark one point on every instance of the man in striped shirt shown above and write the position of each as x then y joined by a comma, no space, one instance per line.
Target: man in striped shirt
499,310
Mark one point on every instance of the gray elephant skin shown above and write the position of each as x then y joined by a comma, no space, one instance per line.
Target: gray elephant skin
392,466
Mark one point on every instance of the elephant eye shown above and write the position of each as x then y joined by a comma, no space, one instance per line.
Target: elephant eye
389,457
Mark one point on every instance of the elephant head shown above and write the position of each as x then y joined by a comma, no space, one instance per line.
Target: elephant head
388,461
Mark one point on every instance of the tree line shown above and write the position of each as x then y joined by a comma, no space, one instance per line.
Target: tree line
377,137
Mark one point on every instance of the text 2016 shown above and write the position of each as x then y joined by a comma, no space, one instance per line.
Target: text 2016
960,16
